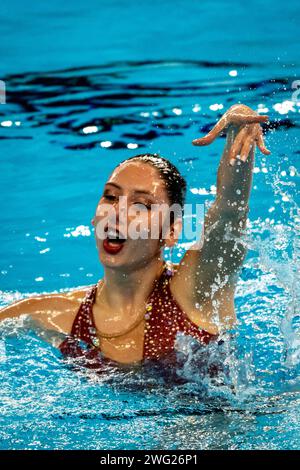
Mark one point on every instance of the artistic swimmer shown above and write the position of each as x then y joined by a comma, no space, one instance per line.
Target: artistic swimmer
137,309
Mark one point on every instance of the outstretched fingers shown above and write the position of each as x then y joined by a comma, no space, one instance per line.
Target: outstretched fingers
240,119
235,148
213,133
231,117
248,144
261,143
245,141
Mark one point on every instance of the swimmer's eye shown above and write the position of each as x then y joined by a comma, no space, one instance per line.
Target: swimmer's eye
140,205
110,197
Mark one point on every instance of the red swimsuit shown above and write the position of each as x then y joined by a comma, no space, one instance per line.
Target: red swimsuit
163,320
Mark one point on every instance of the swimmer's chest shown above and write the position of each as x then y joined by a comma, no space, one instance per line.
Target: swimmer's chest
126,348
153,337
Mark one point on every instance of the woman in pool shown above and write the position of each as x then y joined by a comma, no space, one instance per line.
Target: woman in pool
137,309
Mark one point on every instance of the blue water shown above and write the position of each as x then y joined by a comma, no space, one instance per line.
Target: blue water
146,75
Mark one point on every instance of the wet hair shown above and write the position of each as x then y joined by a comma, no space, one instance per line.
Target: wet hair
175,183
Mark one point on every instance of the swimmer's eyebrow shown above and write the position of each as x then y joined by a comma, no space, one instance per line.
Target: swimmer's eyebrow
113,184
137,191
140,191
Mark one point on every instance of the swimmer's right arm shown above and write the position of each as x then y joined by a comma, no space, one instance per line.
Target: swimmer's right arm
53,311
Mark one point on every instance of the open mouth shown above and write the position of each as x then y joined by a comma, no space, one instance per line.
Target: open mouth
113,241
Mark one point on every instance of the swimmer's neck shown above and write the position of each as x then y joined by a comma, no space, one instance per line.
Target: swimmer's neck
123,291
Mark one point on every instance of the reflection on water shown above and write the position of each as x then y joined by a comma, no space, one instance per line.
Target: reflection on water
84,107
64,131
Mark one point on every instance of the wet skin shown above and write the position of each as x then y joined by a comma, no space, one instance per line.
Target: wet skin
202,286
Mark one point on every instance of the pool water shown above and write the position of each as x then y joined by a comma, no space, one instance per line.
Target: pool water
88,85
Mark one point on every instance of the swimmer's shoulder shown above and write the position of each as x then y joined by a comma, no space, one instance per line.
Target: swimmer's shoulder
78,294
62,309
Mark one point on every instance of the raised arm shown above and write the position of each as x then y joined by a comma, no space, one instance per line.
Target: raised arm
207,275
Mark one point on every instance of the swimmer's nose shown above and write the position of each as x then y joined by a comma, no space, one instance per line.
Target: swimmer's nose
114,231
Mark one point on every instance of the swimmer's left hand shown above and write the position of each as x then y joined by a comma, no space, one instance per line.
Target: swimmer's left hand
248,132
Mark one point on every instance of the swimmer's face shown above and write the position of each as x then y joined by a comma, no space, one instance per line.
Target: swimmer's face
134,203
